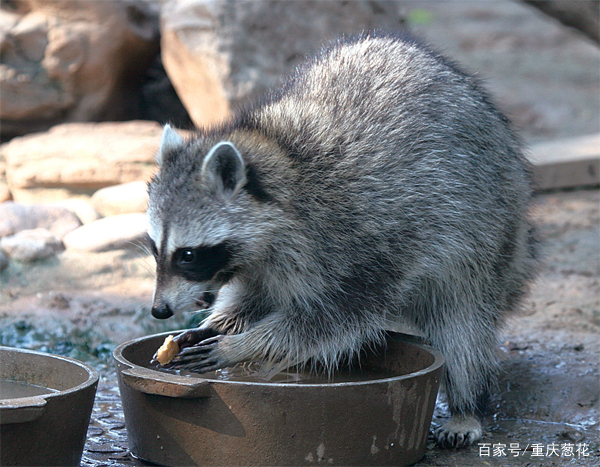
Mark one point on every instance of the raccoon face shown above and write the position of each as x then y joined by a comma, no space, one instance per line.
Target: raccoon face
191,226
190,278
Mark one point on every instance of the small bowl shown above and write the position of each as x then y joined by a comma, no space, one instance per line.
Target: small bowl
45,407
176,420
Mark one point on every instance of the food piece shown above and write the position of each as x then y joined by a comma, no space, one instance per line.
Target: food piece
167,351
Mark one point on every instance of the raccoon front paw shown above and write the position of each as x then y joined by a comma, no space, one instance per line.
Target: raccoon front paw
193,337
201,357
459,432
187,339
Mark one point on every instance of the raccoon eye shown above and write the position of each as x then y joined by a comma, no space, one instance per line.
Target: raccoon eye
203,262
187,256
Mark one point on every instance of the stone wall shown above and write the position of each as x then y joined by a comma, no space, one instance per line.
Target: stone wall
71,68
74,60
222,54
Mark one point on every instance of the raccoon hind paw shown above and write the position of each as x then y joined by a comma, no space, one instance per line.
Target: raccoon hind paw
459,432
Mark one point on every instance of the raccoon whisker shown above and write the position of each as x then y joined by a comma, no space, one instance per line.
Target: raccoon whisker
143,259
141,245
146,265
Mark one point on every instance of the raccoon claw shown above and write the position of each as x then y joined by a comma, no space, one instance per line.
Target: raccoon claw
200,357
186,340
452,440
458,432
192,353
193,337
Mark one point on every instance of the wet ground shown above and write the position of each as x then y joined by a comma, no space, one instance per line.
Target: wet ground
545,411
547,398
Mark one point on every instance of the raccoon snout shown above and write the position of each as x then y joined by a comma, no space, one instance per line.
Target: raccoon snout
162,312
206,300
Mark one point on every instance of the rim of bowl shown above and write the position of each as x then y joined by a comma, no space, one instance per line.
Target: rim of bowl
93,375
438,361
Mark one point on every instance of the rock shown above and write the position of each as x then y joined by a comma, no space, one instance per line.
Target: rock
31,245
160,100
81,207
15,217
121,199
566,163
221,53
73,60
583,15
110,233
3,261
79,158
5,194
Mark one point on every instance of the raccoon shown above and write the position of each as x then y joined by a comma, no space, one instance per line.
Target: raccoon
379,185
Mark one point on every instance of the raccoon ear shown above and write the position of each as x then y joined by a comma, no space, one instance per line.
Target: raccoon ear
169,141
224,168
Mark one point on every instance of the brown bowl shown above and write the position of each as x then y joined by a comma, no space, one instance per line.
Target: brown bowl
49,425
179,420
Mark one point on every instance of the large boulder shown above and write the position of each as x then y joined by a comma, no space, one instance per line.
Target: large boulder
583,15
79,158
16,217
81,207
73,60
121,199
31,245
5,194
221,53
110,233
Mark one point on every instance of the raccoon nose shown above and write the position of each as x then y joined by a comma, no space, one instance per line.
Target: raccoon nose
162,312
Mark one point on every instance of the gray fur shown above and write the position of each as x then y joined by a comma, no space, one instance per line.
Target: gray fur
379,185
169,141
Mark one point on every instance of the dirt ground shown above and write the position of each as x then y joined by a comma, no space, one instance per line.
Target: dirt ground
547,397
549,388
